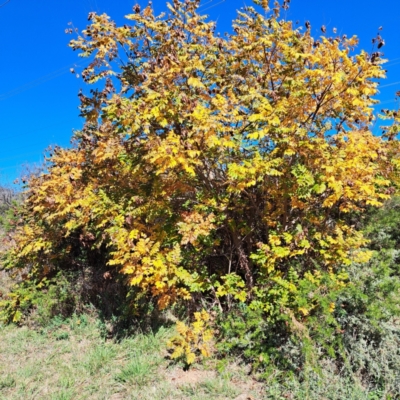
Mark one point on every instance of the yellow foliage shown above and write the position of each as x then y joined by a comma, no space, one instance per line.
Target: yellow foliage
193,340
209,166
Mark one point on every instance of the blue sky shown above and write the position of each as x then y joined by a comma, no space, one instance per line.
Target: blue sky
38,94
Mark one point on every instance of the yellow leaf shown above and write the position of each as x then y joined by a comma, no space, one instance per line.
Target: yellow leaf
304,311
181,328
195,82
190,358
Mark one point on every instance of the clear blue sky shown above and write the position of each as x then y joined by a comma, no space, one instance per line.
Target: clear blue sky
38,94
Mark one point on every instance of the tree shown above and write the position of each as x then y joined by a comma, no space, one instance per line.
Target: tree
7,195
223,169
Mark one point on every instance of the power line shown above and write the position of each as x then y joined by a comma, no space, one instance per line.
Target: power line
13,166
389,84
36,82
386,102
2,5
394,59
19,156
214,5
390,65
45,143
36,130
207,2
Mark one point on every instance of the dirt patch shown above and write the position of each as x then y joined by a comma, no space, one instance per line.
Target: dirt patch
178,377
244,397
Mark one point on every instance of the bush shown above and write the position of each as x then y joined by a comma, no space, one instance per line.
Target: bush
358,352
202,186
353,352
41,301
223,172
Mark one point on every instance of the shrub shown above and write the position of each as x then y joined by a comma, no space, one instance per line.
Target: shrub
214,172
353,350
45,299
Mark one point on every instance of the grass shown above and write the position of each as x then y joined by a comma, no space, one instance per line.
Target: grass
71,360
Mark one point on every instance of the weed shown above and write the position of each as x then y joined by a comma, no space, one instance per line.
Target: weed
138,372
99,357
7,381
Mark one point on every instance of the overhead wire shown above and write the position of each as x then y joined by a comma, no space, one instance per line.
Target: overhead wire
204,4
389,84
36,82
386,102
2,5
10,167
391,64
391,61
46,143
92,6
214,5
34,130
19,156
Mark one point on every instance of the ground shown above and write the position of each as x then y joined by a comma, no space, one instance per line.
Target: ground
73,360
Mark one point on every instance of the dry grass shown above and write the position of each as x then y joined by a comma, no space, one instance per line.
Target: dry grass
71,360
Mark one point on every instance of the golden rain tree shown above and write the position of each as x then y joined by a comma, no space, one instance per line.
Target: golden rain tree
214,170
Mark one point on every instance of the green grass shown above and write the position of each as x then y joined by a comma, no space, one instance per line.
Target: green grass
72,360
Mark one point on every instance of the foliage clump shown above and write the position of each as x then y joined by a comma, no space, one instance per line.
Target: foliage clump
219,171
192,340
352,351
